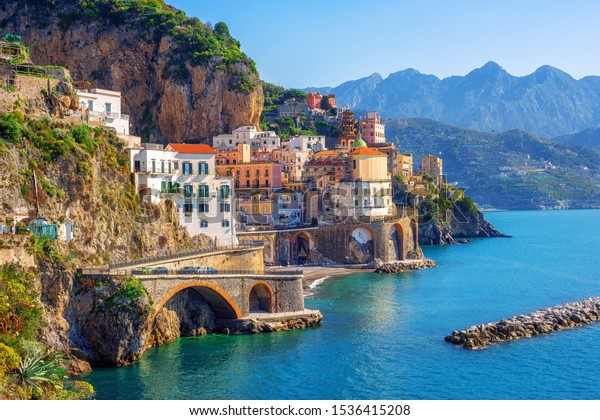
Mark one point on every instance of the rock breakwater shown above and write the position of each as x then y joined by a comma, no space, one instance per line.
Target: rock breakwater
542,321
401,266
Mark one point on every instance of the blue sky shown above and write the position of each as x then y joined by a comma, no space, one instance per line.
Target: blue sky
300,43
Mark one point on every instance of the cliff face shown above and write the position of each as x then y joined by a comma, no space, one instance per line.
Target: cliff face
462,225
168,97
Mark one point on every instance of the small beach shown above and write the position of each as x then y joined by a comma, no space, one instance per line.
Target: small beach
314,274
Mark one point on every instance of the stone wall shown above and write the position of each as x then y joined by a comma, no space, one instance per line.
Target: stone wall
12,250
226,260
349,243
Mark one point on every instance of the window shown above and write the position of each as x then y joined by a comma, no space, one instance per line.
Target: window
237,173
170,169
225,191
258,172
176,166
266,172
225,207
354,164
203,208
203,168
248,183
187,210
108,108
136,166
247,172
186,168
90,105
267,183
163,186
225,223
188,190
203,191
153,166
162,167
203,223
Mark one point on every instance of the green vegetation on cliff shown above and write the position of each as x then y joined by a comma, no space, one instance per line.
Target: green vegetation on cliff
28,368
288,127
198,42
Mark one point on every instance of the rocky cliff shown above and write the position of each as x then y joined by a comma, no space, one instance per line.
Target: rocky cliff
463,224
79,175
181,81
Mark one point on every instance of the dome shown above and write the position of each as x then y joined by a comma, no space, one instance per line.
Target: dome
359,142
38,221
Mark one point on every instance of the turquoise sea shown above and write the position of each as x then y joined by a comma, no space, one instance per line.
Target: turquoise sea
382,336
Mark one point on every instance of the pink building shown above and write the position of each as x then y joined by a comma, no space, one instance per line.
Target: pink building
372,129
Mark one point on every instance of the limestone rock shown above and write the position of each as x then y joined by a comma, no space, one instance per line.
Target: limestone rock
193,103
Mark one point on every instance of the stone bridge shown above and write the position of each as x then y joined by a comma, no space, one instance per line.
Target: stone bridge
240,286
391,238
232,295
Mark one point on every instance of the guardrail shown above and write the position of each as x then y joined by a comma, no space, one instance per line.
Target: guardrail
184,254
167,272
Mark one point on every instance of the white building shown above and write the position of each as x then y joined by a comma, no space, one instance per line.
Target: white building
103,105
185,174
263,140
305,142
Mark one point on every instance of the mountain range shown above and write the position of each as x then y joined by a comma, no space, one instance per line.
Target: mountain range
509,170
548,103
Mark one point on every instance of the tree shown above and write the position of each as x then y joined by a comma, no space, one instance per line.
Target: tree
325,105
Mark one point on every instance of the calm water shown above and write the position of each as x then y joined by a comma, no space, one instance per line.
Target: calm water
382,335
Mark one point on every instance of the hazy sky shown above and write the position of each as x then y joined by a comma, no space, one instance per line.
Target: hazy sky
300,43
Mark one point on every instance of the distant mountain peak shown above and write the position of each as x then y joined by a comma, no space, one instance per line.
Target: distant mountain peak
489,69
547,102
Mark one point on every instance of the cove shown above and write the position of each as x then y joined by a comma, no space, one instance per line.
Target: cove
383,334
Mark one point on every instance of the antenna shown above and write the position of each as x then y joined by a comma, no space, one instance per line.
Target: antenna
37,201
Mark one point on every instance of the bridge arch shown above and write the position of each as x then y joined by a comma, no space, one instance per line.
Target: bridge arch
219,300
260,297
302,242
396,242
361,245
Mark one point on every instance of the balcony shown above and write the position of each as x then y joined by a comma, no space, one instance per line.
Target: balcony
206,197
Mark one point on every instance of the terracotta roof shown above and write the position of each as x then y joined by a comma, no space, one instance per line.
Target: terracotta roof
367,151
201,149
327,152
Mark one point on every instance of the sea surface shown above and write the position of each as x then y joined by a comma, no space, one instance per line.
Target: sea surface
382,336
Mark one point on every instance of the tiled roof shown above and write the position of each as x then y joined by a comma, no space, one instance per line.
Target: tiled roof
367,151
201,149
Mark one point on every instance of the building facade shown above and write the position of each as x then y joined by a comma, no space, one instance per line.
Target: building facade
371,128
262,140
104,105
186,175
432,166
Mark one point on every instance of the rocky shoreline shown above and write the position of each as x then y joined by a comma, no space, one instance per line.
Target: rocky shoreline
406,265
542,321
266,325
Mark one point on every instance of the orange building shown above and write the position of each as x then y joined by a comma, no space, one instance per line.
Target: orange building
314,100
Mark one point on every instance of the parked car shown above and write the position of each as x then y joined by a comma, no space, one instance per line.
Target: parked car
212,270
188,270
160,270
141,270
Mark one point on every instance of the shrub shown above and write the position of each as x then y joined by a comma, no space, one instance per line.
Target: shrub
10,127
9,359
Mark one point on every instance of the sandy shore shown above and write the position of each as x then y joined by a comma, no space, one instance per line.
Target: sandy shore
312,274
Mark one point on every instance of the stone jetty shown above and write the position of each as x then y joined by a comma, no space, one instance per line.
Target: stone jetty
401,266
542,321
